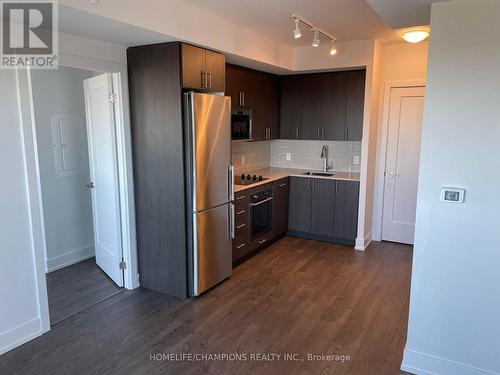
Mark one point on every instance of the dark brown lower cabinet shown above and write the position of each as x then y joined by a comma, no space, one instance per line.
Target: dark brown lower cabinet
322,206
323,209
280,206
345,223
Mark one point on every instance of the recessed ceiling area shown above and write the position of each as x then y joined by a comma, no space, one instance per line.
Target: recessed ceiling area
347,20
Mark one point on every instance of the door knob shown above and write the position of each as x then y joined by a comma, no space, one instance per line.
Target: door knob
391,175
90,186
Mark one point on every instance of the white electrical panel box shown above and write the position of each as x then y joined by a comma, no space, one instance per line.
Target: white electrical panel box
452,195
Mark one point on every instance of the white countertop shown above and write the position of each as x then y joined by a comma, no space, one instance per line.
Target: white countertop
273,174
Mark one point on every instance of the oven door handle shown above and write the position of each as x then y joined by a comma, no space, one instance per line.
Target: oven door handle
262,202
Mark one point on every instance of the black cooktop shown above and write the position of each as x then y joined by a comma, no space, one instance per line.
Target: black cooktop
248,179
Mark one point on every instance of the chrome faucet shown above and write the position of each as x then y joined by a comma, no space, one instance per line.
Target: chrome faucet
324,156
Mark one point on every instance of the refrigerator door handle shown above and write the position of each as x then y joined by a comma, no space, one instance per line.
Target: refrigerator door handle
231,221
231,183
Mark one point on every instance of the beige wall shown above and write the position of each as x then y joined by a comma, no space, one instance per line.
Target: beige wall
398,62
404,61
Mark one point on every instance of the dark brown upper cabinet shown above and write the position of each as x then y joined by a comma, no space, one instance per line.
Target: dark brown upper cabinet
290,107
258,91
323,106
202,69
355,104
334,99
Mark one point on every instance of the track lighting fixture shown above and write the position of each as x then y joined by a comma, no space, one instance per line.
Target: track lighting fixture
317,32
315,42
296,32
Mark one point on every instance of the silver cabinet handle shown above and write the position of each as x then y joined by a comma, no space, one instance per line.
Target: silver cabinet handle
231,182
243,98
209,78
240,245
262,241
231,221
296,133
203,85
241,212
242,197
262,202
281,185
241,226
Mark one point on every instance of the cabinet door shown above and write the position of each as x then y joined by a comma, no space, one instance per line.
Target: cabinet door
334,106
355,105
310,106
231,85
299,204
322,206
193,67
215,65
280,206
267,106
274,109
346,210
257,81
290,108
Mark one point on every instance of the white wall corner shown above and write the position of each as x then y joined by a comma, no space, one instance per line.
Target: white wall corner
363,243
425,364
20,334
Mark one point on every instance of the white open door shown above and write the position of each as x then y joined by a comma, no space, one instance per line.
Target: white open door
401,171
104,184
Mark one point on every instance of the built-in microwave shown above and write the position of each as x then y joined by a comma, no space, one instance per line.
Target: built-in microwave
241,124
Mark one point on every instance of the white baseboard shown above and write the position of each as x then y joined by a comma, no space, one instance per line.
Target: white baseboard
19,335
69,258
424,364
362,243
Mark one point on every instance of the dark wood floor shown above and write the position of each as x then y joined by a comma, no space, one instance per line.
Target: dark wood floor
297,296
77,287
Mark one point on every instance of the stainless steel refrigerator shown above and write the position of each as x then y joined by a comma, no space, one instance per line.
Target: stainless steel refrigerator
210,189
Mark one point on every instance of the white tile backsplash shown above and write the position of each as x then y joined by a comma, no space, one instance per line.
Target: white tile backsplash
307,154
249,156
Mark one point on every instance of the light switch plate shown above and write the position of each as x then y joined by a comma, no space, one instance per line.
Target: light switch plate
452,195
288,156
243,161
355,160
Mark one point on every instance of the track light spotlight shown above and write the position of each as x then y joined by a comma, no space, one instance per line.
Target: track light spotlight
315,42
333,48
296,32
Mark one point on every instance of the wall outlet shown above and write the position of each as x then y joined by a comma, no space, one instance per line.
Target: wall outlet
243,161
288,156
355,160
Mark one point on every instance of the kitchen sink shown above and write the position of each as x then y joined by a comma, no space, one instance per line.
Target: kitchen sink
324,174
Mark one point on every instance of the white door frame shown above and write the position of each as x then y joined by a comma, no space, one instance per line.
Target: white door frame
378,194
124,148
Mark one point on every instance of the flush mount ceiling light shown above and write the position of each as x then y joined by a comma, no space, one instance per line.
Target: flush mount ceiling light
317,33
415,36
296,32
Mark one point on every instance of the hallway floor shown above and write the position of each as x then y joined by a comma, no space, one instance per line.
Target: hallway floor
297,297
77,287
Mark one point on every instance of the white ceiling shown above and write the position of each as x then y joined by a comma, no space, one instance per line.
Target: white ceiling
77,22
404,13
346,20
